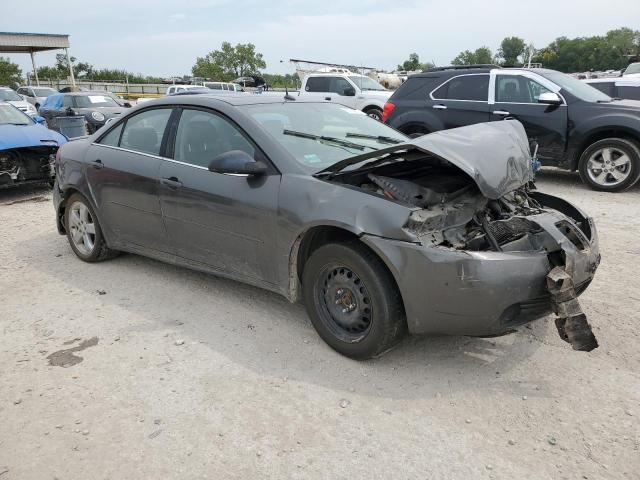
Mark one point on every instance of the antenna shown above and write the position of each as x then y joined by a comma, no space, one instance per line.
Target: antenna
286,94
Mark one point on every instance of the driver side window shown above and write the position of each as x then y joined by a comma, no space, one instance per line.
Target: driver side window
339,85
518,89
202,136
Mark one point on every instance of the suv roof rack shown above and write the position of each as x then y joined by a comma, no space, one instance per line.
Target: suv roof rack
461,67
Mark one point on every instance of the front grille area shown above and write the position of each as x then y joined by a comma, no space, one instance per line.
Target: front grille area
505,231
572,232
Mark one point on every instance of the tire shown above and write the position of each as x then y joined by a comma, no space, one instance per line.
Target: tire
375,113
80,221
352,300
610,165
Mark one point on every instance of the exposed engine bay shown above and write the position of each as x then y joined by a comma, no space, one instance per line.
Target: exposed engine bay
452,210
27,165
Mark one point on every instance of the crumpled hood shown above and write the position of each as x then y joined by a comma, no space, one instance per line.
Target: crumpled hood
19,136
495,155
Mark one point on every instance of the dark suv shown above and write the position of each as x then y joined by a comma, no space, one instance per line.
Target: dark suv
576,126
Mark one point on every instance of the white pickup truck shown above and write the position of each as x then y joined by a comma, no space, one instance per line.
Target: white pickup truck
349,89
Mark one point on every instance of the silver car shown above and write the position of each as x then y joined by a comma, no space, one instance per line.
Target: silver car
36,95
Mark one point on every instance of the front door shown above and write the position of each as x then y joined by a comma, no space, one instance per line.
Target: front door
462,100
332,89
516,96
123,176
225,221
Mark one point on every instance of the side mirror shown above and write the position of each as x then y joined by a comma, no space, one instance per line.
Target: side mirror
39,120
127,104
549,98
237,162
349,92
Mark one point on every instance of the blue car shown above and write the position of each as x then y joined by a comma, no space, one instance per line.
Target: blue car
27,148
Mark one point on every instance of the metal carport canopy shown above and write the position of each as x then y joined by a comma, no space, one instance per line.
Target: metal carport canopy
35,42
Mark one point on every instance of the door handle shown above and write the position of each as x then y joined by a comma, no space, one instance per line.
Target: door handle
171,182
440,107
97,164
504,113
327,98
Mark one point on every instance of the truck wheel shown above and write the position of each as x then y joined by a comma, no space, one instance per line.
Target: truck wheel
352,300
84,232
610,165
375,113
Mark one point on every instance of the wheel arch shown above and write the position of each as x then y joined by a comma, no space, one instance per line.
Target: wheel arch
313,238
602,133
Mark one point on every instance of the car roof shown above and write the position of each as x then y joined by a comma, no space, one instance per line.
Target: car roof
230,98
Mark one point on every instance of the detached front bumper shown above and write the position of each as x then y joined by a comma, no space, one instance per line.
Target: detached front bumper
456,292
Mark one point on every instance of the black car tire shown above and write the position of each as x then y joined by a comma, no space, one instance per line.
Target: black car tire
99,250
376,322
620,145
375,113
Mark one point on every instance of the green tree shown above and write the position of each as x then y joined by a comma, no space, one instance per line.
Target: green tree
80,69
481,55
10,73
511,48
413,64
229,62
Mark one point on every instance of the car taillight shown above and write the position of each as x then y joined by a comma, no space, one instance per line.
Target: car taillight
388,108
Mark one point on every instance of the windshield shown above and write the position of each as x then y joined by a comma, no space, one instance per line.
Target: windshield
632,68
319,135
12,116
9,95
366,83
575,87
44,92
95,101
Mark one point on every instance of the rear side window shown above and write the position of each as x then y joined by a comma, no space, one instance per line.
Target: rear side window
317,84
113,137
144,132
465,87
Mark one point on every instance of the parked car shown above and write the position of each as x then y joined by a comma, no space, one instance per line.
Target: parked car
349,89
72,89
96,107
27,149
35,95
632,70
225,86
377,233
10,96
251,81
575,126
626,87
182,88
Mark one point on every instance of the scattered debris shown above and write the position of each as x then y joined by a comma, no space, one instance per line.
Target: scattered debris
511,442
66,358
101,292
157,421
155,434
344,403
468,420
17,401
552,441
179,342
85,432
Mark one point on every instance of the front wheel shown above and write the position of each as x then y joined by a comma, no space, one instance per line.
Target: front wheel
610,165
352,300
84,232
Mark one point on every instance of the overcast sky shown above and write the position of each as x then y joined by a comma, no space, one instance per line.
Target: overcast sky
164,37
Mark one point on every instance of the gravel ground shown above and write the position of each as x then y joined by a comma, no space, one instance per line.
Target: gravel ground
136,369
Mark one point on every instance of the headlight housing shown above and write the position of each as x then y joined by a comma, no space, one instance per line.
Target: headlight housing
97,116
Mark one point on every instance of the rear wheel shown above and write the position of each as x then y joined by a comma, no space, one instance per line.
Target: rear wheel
352,300
375,113
610,165
84,232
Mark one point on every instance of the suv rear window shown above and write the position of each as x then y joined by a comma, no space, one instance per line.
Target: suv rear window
464,87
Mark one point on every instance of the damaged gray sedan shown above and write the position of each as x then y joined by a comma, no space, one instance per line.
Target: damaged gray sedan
376,233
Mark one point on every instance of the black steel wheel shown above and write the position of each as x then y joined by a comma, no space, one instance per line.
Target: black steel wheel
352,300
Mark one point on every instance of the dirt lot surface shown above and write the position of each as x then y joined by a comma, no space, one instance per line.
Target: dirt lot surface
135,369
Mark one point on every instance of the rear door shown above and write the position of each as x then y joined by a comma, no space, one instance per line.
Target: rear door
516,96
123,176
462,100
225,221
